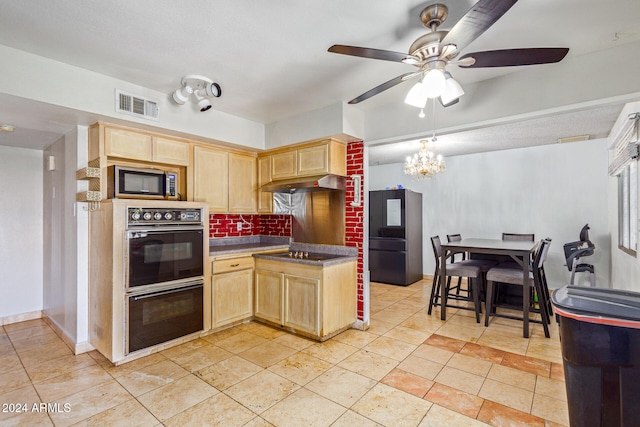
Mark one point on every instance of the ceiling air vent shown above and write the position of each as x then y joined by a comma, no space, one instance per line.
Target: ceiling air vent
136,105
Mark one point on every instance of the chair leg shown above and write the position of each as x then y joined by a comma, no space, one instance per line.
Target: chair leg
474,286
458,288
545,291
526,291
435,289
544,313
488,306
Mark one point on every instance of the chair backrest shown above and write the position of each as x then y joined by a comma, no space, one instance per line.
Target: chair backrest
437,248
541,255
454,238
521,237
584,233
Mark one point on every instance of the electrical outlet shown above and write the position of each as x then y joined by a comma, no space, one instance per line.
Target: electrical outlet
239,226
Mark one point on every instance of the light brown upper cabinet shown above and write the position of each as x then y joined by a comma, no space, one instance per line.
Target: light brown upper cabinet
127,144
211,178
284,165
317,158
265,199
170,151
243,183
226,180
138,145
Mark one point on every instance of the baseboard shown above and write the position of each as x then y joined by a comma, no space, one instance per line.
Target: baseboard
23,317
77,348
427,277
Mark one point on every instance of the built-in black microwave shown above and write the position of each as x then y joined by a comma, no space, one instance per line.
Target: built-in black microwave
133,183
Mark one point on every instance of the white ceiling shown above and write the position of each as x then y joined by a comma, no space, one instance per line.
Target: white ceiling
271,58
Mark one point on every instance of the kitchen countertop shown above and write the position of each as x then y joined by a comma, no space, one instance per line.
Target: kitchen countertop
231,245
332,254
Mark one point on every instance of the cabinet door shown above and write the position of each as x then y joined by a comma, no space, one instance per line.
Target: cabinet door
313,160
170,151
243,184
284,165
211,178
268,298
232,297
265,199
302,304
127,144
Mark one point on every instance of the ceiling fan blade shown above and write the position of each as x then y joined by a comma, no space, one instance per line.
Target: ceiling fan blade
384,86
476,21
514,57
365,52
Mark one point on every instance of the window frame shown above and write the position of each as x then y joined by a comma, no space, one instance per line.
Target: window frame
628,209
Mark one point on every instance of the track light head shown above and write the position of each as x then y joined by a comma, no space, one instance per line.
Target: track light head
213,89
203,103
180,96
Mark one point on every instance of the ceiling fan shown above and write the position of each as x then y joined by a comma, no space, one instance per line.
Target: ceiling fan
432,52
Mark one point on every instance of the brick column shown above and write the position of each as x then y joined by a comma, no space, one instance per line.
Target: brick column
354,215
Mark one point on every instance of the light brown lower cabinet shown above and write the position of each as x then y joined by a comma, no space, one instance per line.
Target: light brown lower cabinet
232,291
268,287
313,301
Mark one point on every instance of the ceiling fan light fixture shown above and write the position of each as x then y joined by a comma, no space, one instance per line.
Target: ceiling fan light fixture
417,96
434,83
452,91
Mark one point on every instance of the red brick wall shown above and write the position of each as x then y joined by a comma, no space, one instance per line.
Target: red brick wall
224,225
275,225
354,216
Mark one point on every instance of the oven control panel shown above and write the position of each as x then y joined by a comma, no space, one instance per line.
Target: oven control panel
164,216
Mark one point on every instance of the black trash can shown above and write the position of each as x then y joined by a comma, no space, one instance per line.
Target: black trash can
600,337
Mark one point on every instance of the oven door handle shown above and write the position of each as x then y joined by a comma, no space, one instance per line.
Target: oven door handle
170,291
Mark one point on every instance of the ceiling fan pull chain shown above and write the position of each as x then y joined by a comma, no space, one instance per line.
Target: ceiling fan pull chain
433,138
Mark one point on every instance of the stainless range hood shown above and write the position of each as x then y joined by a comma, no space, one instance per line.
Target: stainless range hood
306,184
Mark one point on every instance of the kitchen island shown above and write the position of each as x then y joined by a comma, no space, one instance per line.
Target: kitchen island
314,296
270,280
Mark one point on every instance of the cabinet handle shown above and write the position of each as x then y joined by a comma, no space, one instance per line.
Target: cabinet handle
234,265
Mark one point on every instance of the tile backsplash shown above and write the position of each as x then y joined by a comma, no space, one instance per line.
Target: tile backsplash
226,225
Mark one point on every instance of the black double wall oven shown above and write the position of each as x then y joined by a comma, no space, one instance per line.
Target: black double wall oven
164,275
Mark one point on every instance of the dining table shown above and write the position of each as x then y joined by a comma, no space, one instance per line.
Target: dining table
518,250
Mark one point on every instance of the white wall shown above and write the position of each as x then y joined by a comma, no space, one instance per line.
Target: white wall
550,190
65,299
78,89
20,231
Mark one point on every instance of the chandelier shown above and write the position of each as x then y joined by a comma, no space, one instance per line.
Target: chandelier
424,164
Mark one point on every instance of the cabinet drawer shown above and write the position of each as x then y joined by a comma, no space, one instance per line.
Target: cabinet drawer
232,264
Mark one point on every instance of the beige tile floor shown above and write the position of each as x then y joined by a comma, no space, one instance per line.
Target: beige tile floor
408,369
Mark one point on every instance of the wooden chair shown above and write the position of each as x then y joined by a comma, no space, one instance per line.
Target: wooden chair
483,264
456,269
517,236
514,276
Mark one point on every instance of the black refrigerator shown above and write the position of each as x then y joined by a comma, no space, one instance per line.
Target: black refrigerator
395,236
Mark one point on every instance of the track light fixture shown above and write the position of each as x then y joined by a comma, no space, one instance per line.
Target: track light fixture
202,88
